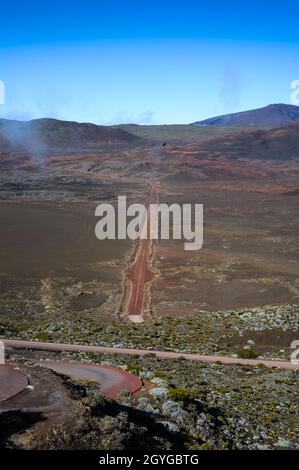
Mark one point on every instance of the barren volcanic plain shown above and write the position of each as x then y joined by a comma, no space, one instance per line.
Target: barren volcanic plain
238,295
247,181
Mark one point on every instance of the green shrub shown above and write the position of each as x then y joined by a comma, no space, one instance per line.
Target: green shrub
181,394
43,336
135,368
247,354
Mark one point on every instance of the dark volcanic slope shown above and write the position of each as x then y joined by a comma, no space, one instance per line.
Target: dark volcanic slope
43,134
272,115
281,143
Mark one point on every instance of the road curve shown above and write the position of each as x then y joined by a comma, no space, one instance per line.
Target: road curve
59,347
12,381
112,380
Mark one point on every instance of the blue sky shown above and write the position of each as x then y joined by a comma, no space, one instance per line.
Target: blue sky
145,62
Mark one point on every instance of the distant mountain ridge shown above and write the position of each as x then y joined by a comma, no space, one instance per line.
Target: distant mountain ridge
43,134
273,115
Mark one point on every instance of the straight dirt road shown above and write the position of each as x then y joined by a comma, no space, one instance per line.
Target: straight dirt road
60,347
139,273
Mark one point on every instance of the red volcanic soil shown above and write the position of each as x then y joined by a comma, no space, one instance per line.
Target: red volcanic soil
139,274
256,156
281,143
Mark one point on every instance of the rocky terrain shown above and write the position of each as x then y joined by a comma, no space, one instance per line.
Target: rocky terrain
184,406
238,296
263,332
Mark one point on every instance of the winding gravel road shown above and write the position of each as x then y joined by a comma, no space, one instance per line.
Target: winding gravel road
112,380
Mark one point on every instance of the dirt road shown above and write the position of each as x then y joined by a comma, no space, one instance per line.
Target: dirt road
143,352
139,274
112,380
12,381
